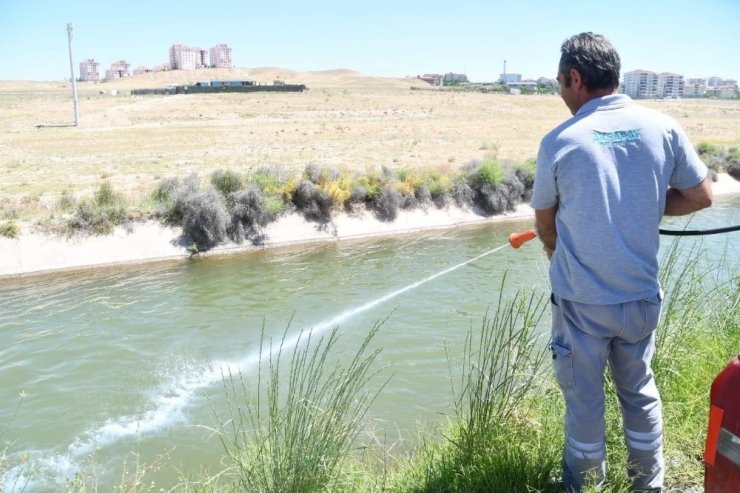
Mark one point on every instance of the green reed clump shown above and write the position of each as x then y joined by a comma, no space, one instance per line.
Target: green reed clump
227,181
506,433
10,229
100,215
294,435
502,364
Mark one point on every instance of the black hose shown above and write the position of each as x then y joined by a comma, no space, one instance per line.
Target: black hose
699,232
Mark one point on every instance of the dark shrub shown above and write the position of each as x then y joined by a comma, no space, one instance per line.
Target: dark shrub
171,194
463,195
358,195
514,192
313,202
409,202
734,170
387,203
226,181
491,201
204,218
422,194
250,207
250,213
526,174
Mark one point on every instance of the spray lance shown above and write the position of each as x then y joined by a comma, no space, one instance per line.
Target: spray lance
518,239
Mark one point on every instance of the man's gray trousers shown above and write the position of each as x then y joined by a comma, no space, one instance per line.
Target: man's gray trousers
584,338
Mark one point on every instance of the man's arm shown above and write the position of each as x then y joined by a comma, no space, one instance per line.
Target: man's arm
680,202
544,223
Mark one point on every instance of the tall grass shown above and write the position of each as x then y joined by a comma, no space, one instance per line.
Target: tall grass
293,436
494,444
501,366
517,444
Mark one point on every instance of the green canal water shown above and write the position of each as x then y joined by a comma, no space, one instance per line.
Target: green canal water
99,367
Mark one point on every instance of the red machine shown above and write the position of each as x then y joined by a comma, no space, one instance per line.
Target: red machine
722,450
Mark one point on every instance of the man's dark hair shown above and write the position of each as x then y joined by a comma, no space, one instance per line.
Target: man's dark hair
595,59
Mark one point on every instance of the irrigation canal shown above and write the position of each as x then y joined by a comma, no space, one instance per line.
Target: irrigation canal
99,364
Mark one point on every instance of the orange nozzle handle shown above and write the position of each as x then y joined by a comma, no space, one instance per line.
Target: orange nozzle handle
518,239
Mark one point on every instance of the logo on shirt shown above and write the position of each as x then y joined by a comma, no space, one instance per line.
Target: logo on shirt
620,137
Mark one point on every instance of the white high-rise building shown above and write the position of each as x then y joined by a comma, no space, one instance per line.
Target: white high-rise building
640,84
221,56
89,70
670,85
188,58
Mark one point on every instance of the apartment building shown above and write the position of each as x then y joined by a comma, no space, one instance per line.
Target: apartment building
670,85
694,88
118,70
89,70
188,58
220,56
713,82
640,84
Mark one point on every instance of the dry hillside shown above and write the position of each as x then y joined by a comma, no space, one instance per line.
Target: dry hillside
343,119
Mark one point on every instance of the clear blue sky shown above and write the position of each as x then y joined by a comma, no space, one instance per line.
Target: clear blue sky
695,38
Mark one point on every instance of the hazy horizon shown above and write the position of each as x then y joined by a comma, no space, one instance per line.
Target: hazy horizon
389,39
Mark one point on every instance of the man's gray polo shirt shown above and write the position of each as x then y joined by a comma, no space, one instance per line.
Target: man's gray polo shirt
608,169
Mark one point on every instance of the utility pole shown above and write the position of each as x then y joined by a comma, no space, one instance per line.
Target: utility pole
72,74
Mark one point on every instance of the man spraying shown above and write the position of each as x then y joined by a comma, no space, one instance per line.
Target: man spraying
605,178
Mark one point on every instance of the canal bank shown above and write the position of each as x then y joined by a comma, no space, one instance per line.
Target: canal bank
34,252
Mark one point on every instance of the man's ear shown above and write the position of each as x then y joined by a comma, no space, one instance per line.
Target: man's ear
575,76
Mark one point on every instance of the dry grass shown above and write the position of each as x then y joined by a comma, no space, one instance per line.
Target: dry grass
344,119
